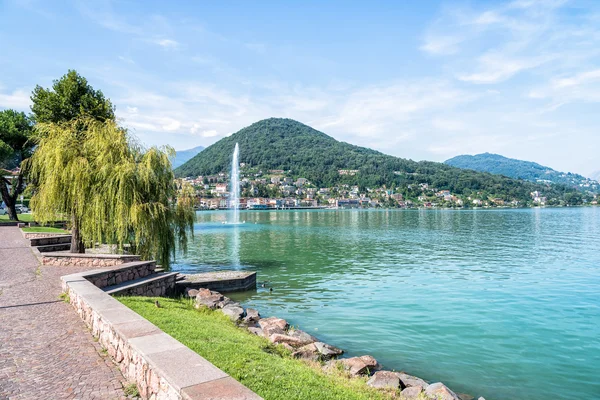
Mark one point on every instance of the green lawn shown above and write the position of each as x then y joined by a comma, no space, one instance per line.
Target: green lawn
266,369
45,229
22,217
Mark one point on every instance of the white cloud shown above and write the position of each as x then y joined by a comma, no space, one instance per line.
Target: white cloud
494,68
441,45
167,43
17,99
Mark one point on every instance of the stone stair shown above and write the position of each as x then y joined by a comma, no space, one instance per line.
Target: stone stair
54,247
138,278
156,284
52,243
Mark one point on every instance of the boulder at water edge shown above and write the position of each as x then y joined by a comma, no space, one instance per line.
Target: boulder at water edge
411,381
441,392
384,380
233,311
412,393
363,365
208,298
317,351
252,316
273,321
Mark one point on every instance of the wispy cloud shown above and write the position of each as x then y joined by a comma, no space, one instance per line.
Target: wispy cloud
166,43
17,99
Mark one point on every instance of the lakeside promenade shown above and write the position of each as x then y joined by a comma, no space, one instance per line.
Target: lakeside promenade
46,351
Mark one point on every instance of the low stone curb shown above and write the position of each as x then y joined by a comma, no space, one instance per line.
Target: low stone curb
146,355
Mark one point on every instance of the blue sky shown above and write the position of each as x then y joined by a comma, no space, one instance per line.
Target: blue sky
420,80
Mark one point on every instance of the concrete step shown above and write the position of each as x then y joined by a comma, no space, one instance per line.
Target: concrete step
54,239
158,284
119,274
54,247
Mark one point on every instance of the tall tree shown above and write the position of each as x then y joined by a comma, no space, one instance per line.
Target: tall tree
112,189
71,96
15,146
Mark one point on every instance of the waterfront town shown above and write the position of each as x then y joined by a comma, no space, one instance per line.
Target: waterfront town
277,189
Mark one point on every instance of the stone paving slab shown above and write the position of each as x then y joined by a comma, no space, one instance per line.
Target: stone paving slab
46,352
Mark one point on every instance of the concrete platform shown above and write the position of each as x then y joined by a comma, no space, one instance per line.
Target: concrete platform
220,281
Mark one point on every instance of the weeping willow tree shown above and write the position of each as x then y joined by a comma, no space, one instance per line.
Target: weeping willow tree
111,189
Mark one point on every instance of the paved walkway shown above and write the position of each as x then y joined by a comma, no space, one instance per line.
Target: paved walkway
46,351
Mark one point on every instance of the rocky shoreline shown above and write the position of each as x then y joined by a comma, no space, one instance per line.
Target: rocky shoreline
307,347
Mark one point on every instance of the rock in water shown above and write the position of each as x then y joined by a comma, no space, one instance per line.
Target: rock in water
441,392
384,379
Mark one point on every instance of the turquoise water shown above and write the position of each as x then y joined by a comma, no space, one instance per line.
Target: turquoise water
503,304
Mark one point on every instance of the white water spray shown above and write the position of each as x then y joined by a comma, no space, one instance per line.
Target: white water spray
235,185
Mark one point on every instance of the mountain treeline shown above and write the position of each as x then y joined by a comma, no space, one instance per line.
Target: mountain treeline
519,169
301,151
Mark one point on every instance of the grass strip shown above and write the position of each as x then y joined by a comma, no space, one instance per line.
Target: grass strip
267,369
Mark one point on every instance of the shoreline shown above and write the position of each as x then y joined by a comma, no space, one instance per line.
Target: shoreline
309,348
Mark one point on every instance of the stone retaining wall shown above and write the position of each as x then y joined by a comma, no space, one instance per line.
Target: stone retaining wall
86,260
162,285
161,367
115,276
221,281
40,235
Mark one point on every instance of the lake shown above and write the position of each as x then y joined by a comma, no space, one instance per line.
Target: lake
503,304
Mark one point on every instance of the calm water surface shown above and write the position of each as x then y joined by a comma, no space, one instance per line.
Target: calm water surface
502,303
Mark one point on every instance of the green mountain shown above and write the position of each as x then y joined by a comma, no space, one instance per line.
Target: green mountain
182,156
497,164
301,151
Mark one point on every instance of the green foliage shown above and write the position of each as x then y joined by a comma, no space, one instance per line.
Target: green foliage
291,146
70,97
111,189
15,146
15,131
44,229
64,296
131,389
497,164
261,366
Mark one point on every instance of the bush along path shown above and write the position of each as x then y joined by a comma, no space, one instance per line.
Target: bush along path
273,359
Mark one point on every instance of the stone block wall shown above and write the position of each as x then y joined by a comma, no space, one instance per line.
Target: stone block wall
119,275
40,235
132,364
146,355
161,286
86,260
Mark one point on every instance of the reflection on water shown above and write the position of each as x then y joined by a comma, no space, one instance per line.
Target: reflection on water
500,303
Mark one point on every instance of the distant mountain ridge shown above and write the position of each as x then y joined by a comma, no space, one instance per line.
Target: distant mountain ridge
182,156
301,151
518,169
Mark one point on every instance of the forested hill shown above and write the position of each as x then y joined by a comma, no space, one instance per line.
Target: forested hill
285,144
497,164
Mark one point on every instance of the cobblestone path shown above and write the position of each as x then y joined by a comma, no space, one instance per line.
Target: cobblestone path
46,351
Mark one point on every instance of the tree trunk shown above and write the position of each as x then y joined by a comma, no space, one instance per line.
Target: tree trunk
76,240
9,200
